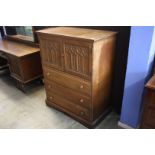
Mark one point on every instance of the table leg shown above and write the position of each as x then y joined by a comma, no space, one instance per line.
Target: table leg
20,85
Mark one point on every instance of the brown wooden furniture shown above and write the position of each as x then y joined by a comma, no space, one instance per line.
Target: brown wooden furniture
24,61
148,116
78,65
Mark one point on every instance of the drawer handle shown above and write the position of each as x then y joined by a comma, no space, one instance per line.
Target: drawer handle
48,74
49,86
82,113
81,86
51,97
81,100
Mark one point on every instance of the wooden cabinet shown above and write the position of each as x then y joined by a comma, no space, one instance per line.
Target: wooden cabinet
78,68
25,69
148,116
24,61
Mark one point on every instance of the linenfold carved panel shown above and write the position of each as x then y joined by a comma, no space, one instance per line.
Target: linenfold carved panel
52,52
77,59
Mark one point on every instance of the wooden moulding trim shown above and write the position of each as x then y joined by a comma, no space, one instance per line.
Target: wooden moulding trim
88,124
27,81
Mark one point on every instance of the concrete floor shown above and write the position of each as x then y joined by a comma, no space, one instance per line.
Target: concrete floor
28,110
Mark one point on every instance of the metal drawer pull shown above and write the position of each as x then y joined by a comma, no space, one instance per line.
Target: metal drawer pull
82,113
49,86
81,100
81,86
48,74
51,97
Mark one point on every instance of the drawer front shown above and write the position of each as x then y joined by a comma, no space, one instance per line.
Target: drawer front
69,106
69,81
69,94
78,57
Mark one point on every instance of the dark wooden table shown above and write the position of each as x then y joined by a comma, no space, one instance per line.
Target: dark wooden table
23,59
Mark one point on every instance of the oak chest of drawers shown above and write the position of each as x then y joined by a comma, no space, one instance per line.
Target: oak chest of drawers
78,66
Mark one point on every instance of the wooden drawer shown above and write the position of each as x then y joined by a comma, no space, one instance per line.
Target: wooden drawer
69,106
67,80
69,94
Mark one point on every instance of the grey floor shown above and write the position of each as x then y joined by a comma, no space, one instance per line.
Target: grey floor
28,110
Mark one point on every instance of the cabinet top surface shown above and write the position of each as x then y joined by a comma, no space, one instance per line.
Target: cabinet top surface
89,34
16,49
151,83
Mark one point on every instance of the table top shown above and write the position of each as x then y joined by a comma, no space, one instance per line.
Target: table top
151,83
16,48
90,34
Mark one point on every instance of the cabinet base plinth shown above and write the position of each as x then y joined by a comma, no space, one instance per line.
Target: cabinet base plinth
88,124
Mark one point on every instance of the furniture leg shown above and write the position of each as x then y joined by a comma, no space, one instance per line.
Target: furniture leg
20,85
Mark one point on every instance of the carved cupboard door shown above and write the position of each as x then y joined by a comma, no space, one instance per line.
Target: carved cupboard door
77,58
52,52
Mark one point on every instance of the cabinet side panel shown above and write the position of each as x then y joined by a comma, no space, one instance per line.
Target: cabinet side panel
31,67
103,63
15,67
148,115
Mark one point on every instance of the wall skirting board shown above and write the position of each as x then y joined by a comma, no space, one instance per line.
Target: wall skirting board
124,126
